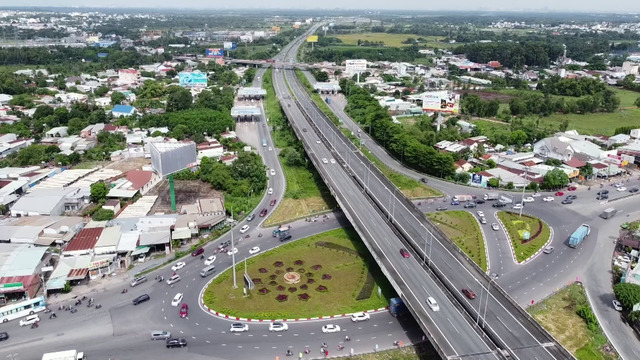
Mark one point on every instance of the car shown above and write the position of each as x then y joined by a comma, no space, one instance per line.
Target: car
160,335
318,141
197,252
184,310
174,279
602,197
304,129
494,276
272,203
29,320
176,299
224,244
278,326
232,251
548,250
140,299
172,343
263,212
469,293
621,188
548,199
567,202
454,202
405,254
517,206
499,205
361,316
495,227
433,304
424,180
272,172
559,193
251,217
480,213
325,161
4,336
617,305
572,188
480,201
633,190
572,197
179,265
536,194
244,229
239,327
270,148
254,250
529,199
330,328
441,208
618,184
333,161
483,220
137,281
270,191
470,205
603,192
210,260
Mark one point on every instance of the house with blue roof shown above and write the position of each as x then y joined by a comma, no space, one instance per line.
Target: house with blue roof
123,110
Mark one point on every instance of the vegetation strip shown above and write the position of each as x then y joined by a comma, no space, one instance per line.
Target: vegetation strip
464,231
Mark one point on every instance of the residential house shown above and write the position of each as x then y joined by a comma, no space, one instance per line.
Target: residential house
123,110
57,132
113,205
465,127
212,149
128,76
44,202
228,159
102,102
619,139
462,166
10,144
553,148
91,131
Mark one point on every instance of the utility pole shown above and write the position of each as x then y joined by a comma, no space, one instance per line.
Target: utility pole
233,255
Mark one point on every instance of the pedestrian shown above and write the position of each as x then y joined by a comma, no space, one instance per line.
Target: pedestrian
376,348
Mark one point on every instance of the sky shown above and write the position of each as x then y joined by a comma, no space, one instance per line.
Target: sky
625,6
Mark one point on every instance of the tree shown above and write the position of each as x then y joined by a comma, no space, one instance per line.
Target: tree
180,99
555,179
491,164
586,170
117,97
637,102
628,294
171,74
462,177
101,91
77,124
292,156
518,137
480,151
322,76
249,75
99,192
103,215
62,115
42,111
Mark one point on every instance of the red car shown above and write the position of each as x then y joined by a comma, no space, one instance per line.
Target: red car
559,193
263,213
273,202
404,253
184,310
469,293
197,252
572,188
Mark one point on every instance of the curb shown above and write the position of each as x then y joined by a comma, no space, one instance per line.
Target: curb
484,238
513,251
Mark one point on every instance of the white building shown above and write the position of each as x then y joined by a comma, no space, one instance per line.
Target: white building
128,76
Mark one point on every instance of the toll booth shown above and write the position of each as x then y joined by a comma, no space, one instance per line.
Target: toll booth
246,113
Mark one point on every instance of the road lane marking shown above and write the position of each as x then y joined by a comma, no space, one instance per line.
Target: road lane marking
453,326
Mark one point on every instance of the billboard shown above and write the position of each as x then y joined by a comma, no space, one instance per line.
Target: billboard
170,157
354,66
296,26
312,39
193,79
441,101
214,53
275,28
103,55
228,45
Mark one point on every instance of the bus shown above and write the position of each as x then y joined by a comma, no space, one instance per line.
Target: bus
22,308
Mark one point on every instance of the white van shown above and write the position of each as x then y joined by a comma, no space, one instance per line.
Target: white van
208,271
174,279
29,320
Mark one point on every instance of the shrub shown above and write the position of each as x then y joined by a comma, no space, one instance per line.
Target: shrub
367,287
317,267
292,289
289,269
273,283
304,297
278,264
264,291
322,288
310,281
298,262
309,274
282,297
273,277
257,281
301,271
262,270
303,286
280,288
326,277
279,272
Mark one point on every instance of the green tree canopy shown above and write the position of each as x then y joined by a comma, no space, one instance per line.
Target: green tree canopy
117,97
99,191
627,294
180,99
555,179
103,215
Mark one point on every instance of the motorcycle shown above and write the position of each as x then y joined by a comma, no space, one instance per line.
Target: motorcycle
161,279
124,291
53,316
289,352
98,306
307,351
347,338
201,257
47,310
34,325
74,310
260,235
78,302
246,236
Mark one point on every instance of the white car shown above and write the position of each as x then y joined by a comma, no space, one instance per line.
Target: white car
272,172
361,316
270,191
618,184
269,148
621,188
179,265
210,260
433,304
239,327
517,206
244,229
617,305
480,214
325,161
317,141
29,320
174,279
529,199
278,326
176,299
330,328
333,161
231,252
254,250
547,199
495,227
483,220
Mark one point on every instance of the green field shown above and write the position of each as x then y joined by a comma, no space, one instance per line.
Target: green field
393,40
558,315
335,271
517,226
463,229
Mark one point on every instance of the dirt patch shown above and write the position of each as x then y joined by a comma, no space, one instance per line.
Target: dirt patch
129,164
187,192
490,95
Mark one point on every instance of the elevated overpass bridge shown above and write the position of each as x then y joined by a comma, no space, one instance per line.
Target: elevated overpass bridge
282,64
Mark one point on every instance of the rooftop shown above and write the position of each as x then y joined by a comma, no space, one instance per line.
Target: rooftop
85,240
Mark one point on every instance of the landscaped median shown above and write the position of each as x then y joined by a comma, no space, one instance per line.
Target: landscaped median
328,273
528,234
464,231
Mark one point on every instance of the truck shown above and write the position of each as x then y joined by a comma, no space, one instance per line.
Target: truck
462,198
396,307
608,213
491,196
64,355
280,229
576,238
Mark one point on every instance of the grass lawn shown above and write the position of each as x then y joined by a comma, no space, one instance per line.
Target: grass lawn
517,226
463,229
558,315
392,40
346,270
90,164
627,97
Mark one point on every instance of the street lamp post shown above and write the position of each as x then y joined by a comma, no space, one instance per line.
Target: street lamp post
526,170
233,255
486,302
